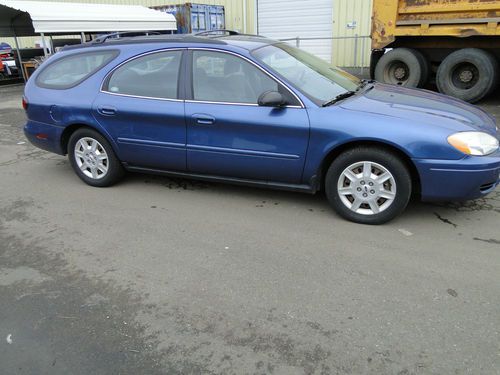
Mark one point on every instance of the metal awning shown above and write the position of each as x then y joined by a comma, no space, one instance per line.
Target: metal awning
29,18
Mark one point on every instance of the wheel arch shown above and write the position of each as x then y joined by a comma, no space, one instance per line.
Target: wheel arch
339,149
71,128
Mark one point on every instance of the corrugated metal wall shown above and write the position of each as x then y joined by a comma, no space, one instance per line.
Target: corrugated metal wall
283,19
233,12
351,17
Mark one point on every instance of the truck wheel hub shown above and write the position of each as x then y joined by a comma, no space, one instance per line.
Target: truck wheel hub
466,76
400,73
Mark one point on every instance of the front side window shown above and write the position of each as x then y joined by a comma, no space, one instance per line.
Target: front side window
313,76
223,77
69,71
154,76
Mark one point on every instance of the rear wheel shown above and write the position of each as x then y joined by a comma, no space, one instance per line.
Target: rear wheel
93,158
368,185
469,74
403,66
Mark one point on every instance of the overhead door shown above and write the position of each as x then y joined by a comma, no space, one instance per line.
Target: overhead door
281,19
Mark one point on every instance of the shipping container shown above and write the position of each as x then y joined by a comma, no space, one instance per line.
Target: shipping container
194,18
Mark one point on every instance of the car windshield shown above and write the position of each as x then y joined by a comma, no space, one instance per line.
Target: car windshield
313,76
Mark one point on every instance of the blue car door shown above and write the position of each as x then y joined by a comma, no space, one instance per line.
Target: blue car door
139,107
229,134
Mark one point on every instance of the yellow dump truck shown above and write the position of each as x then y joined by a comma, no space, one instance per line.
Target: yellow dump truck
454,42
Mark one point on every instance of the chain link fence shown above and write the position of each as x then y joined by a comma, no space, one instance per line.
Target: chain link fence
347,51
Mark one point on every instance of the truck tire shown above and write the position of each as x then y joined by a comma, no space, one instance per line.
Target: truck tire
403,66
469,74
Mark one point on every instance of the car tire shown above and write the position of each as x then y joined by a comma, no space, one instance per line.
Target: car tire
469,74
358,196
404,67
93,159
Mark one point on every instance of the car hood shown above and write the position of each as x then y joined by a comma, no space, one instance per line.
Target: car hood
420,106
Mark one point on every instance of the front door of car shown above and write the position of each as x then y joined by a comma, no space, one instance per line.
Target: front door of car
139,107
229,134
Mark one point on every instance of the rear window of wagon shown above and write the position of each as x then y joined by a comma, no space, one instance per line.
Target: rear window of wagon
69,71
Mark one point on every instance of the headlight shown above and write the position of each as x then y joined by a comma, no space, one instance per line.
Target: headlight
474,143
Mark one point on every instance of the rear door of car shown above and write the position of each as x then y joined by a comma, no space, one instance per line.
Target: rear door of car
228,133
140,105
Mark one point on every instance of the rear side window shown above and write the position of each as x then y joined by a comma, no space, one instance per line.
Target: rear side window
154,75
70,71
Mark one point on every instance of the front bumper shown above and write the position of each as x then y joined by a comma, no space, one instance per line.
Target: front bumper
457,180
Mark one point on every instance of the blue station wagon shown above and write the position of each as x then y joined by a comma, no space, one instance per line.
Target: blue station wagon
250,110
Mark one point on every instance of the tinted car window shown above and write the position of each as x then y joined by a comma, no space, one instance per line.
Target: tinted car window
222,77
70,71
155,76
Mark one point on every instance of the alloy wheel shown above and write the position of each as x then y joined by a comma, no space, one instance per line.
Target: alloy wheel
366,188
91,158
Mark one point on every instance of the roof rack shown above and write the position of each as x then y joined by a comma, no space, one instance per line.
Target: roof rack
103,38
217,32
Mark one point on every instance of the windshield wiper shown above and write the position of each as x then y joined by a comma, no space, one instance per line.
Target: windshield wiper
365,82
338,98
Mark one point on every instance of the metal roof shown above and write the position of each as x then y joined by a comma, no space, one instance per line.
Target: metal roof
27,18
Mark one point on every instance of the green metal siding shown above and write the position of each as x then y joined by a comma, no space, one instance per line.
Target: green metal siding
345,52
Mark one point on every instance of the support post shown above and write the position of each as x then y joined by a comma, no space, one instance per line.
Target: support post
256,17
82,37
335,60
362,56
245,16
44,45
19,58
355,51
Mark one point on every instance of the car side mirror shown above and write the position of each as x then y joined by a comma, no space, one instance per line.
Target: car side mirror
271,99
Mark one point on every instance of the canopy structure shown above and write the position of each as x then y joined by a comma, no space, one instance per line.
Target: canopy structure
29,18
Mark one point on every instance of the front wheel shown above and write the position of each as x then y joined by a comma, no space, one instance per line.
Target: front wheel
368,185
93,158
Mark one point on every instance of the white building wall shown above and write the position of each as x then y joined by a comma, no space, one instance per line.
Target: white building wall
281,19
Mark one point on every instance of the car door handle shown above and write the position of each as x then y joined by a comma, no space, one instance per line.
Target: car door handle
107,111
202,119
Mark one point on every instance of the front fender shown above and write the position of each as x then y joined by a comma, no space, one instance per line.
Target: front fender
337,127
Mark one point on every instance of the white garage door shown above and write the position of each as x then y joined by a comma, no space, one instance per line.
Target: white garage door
280,19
